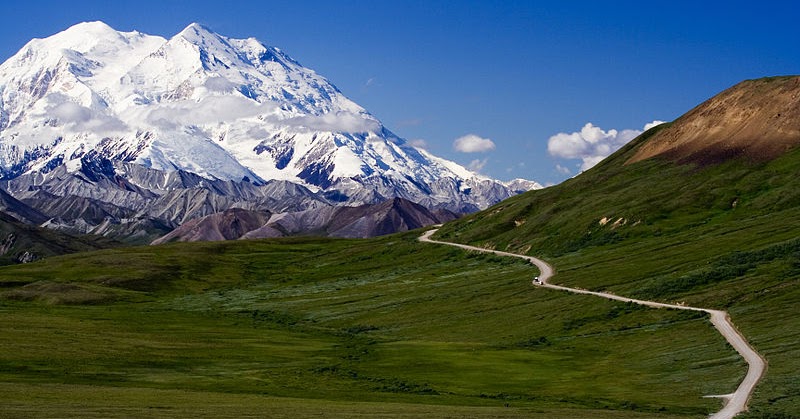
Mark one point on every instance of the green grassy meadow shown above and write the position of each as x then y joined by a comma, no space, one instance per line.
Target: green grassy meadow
723,236
385,327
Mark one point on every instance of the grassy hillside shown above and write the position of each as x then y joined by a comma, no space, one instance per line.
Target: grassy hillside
613,202
306,327
721,236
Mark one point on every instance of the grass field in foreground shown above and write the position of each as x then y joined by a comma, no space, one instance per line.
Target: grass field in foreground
59,400
340,327
723,236
751,268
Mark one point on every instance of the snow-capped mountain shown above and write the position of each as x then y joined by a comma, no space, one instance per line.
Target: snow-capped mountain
221,108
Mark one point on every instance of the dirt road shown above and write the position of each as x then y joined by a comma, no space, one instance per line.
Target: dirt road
736,402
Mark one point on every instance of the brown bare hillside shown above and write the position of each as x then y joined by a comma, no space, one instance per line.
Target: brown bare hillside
755,119
227,225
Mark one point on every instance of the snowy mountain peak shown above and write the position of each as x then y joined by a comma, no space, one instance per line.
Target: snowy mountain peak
80,37
196,28
95,28
219,107
83,38
202,36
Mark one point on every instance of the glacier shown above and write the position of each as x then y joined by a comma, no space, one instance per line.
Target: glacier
223,109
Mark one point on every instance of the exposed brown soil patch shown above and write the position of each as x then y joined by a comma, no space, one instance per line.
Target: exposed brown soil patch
758,120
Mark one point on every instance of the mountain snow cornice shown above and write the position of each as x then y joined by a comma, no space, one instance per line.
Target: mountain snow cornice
221,108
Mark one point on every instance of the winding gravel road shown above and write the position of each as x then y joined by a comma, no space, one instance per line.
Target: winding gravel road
736,402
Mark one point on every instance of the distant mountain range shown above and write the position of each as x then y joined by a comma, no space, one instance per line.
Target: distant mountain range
355,222
132,135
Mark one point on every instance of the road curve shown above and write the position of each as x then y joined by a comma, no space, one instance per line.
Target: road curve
735,403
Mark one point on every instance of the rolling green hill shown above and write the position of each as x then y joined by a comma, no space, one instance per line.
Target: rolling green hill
712,232
344,327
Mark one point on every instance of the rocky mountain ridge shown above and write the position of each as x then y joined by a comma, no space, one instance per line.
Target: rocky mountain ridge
363,221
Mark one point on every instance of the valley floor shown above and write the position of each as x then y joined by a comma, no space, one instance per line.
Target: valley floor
59,401
341,328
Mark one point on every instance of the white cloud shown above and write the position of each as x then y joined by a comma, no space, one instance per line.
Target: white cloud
220,85
591,144
591,161
335,122
210,110
77,118
228,108
653,124
477,165
71,112
257,132
472,143
419,143
563,170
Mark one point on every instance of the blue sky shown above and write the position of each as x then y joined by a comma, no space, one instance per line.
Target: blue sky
513,72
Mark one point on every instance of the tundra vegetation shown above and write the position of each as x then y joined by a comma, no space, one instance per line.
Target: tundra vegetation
392,327
388,325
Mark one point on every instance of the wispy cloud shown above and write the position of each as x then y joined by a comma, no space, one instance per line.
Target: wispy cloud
77,118
563,170
335,122
211,110
419,143
227,108
591,144
477,165
472,143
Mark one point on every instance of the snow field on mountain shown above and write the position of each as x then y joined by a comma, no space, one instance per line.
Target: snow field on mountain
222,108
